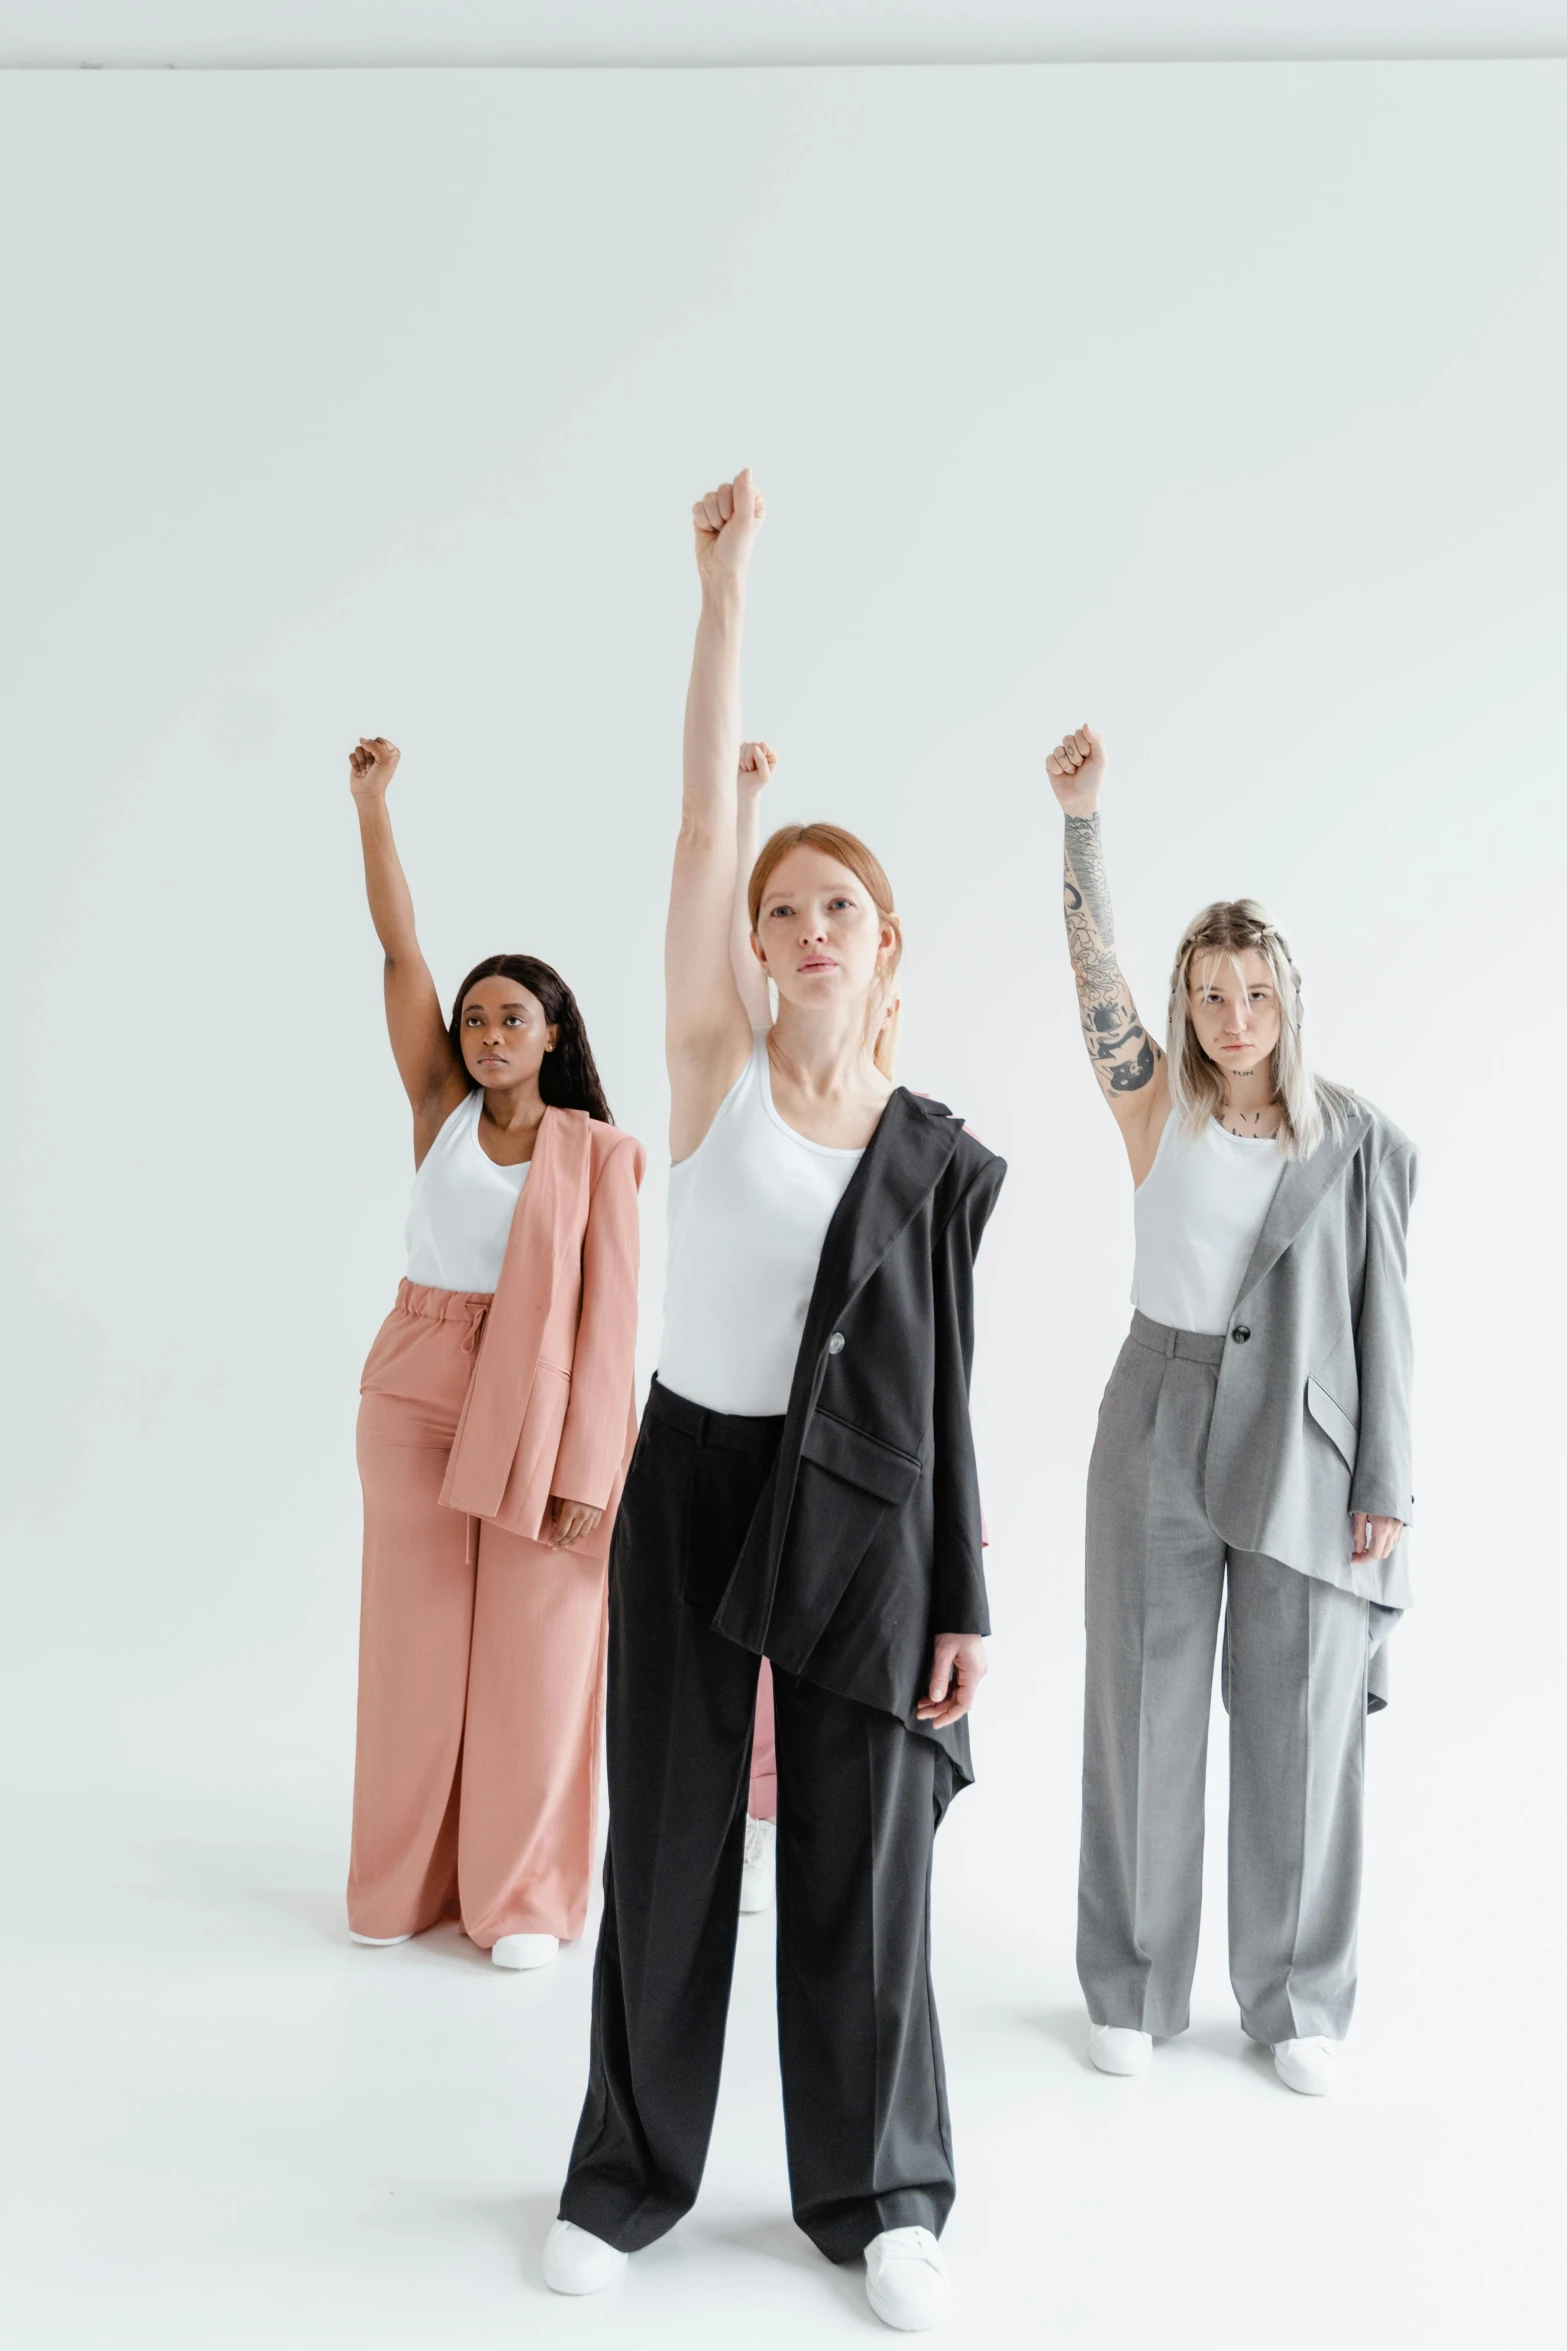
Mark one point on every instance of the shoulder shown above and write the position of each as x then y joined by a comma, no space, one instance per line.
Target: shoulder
975,1162
1369,1142
972,1166
443,1122
1384,1147
446,1115
607,1145
601,1146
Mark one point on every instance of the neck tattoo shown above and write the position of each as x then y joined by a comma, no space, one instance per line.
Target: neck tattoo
1246,1122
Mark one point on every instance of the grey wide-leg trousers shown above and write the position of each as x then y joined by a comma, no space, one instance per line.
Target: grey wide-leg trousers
1295,1662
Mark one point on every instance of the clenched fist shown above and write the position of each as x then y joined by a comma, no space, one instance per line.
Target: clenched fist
727,521
757,761
1076,768
371,766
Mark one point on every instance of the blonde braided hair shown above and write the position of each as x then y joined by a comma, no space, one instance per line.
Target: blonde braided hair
1312,1107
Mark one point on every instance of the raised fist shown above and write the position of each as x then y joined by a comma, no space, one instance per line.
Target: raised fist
757,761
371,766
727,521
1076,768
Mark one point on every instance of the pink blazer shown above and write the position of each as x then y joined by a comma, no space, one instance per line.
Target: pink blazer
551,1408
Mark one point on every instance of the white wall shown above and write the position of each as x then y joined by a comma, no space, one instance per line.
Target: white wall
247,33
1219,406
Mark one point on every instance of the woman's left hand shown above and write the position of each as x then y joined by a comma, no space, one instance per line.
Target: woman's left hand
757,762
571,1520
1374,1537
957,1668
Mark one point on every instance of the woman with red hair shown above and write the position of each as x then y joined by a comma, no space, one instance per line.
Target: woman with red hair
803,1491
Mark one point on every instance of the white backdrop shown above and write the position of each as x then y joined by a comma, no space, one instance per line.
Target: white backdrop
1219,406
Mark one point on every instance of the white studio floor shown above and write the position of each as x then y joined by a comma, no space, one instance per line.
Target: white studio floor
234,2128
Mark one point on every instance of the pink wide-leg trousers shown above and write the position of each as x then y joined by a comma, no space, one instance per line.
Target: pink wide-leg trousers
481,1674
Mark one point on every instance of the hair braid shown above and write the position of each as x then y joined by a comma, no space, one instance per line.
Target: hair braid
1312,1106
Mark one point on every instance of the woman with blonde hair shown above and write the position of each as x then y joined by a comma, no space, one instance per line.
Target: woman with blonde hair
1253,1450
803,1490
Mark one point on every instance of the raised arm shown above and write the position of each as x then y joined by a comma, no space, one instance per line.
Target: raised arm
1130,1067
433,1078
757,762
707,1033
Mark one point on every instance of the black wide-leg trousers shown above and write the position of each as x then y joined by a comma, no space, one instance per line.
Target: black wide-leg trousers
859,1795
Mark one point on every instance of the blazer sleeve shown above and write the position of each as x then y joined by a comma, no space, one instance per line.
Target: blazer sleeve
603,1363
959,1603
1384,1344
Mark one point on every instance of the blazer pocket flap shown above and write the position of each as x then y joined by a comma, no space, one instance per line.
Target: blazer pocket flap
1333,1421
858,1459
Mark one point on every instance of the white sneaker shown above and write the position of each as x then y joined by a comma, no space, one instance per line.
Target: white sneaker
756,1879
906,2279
576,2262
1120,2048
524,1950
1309,2066
378,1942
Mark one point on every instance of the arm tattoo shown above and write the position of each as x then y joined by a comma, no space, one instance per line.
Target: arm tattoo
1085,864
1129,1077
1123,1055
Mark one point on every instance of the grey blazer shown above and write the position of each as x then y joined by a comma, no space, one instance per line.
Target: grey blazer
1312,1416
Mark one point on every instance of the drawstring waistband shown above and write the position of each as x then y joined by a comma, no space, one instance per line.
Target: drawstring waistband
451,1306
440,1305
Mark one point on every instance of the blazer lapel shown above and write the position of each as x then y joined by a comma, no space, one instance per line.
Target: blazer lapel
1302,1187
555,1181
546,1215
903,1162
544,1226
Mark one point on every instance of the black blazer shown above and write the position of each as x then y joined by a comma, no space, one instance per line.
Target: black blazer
866,1542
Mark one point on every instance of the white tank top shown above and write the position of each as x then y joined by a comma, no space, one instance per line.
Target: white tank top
748,1212
459,1217
1197,1214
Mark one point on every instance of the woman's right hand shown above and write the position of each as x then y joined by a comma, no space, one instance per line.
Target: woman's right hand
727,521
371,766
1076,768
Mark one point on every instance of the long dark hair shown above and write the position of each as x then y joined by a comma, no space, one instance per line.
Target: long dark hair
568,1077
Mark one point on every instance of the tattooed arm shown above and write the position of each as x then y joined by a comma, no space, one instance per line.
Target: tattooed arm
1128,1064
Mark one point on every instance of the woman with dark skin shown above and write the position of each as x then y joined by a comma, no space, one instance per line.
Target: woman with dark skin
493,1433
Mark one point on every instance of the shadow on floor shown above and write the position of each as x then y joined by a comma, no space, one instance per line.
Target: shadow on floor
777,2240
321,1913
524,2221
1067,2027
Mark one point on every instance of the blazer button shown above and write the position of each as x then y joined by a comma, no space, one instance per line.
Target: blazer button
835,1343
1241,1333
